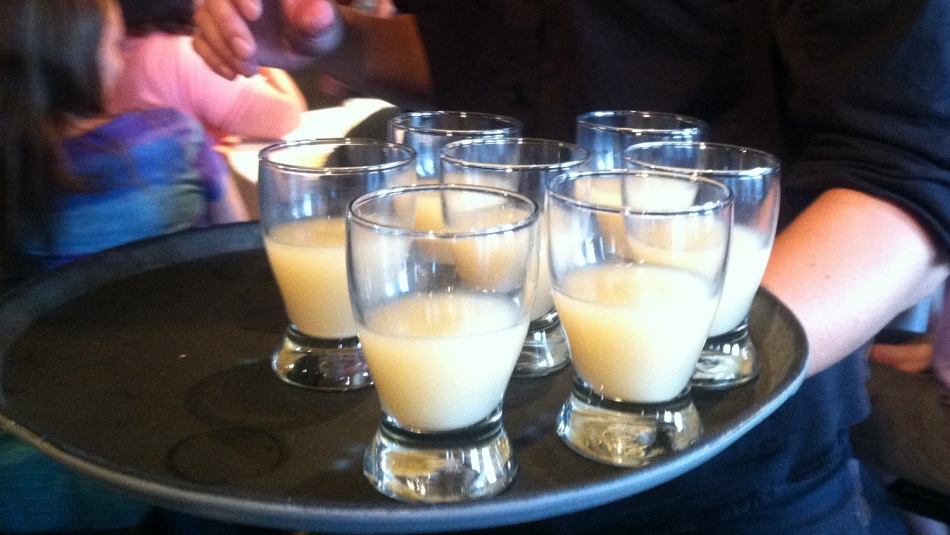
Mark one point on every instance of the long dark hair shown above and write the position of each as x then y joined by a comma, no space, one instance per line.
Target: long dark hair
49,72
143,17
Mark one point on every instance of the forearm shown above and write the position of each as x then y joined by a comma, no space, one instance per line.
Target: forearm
846,266
285,86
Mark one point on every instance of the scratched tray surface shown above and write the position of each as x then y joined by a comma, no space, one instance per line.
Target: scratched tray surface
147,366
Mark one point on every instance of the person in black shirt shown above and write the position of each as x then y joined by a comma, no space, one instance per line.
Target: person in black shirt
853,97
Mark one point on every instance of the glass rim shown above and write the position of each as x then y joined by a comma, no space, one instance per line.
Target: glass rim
399,120
364,222
513,141
265,155
695,124
698,209
773,164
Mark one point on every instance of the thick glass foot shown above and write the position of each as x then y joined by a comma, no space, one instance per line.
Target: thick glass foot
454,466
545,350
626,434
728,360
332,365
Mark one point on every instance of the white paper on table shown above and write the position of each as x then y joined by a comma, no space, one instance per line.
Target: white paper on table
332,122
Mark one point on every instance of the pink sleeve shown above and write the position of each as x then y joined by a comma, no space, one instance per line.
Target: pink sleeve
246,107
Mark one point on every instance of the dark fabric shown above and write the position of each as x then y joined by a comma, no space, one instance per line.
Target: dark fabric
791,475
790,470
908,433
846,94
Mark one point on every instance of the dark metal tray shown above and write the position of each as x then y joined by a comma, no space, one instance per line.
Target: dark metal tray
147,366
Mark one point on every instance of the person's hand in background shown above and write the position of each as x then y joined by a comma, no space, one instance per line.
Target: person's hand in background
374,55
236,36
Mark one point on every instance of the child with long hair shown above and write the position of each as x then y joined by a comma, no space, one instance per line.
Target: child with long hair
74,178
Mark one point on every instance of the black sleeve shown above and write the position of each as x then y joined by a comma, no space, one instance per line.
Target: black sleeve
863,87
868,89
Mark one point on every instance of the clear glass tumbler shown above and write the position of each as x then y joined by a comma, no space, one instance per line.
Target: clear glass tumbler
637,306
524,165
304,189
729,358
428,131
607,133
442,303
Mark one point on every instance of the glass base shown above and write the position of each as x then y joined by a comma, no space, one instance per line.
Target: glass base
545,350
728,360
475,462
321,364
626,434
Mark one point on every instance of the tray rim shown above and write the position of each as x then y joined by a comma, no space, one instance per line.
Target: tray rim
286,512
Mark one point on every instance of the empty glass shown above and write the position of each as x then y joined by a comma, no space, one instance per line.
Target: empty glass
442,302
304,190
729,358
637,305
607,133
523,165
428,131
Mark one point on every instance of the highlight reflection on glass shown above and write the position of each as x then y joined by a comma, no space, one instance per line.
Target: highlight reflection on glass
427,132
607,133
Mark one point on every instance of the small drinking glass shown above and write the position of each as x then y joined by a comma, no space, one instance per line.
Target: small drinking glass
523,165
729,358
607,133
304,190
442,311
428,131
636,313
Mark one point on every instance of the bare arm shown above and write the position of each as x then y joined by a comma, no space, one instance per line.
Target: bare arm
284,85
379,56
846,266
267,107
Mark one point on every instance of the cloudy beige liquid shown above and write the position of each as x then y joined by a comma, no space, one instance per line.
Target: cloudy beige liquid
636,332
442,362
428,210
308,258
543,298
748,256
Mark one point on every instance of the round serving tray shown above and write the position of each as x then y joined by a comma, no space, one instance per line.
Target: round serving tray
147,366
